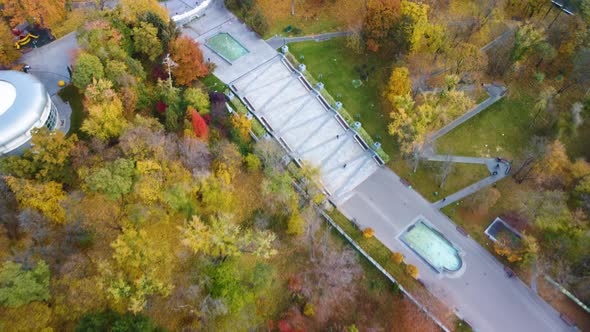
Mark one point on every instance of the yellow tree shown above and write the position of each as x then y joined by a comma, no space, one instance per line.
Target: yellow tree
242,125
554,168
416,24
412,270
397,258
105,120
399,84
45,198
131,9
8,54
137,270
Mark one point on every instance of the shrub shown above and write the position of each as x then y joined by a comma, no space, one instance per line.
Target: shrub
368,232
397,258
412,270
309,310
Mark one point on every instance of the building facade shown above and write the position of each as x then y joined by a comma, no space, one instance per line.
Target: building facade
24,106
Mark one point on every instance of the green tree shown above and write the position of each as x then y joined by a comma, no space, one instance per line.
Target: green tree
527,37
198,99
87,67
146,42
252,162
19,286
226,283
114,180
43,197
109,320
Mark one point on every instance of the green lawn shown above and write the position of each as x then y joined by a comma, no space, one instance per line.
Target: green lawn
332,63
504,129
71,95
426,178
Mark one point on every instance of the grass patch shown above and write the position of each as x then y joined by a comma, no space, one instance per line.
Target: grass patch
336,66
502,130
71,95
311,17
213,83
426,178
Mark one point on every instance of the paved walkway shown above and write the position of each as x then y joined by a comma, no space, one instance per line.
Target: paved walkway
480,292
277,41
288,106
49,64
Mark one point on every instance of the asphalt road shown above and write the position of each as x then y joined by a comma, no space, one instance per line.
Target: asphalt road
480,292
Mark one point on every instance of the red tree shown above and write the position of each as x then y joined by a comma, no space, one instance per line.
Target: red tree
199,125
189,59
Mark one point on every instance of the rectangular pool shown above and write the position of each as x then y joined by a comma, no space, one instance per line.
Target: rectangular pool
432,247
226,46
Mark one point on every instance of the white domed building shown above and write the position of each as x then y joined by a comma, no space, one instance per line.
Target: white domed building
24,105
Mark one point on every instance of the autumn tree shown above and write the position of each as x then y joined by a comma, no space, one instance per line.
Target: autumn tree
227,162
132,10
467,57
45,13
19,286
199,126
8,54
146,42
242,126
45,198
136,270
555,167
87,67
187,55
380,19
47,159
414,23
399,84
410,124
220,238
105,120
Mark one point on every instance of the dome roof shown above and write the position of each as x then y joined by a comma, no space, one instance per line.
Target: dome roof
23,100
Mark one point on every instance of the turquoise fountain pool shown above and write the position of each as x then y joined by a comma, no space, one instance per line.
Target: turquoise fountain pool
226,46
432,247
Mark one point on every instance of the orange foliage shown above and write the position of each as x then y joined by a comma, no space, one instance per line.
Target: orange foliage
368,232
412,270
397,258
189,59
45,13
199,125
